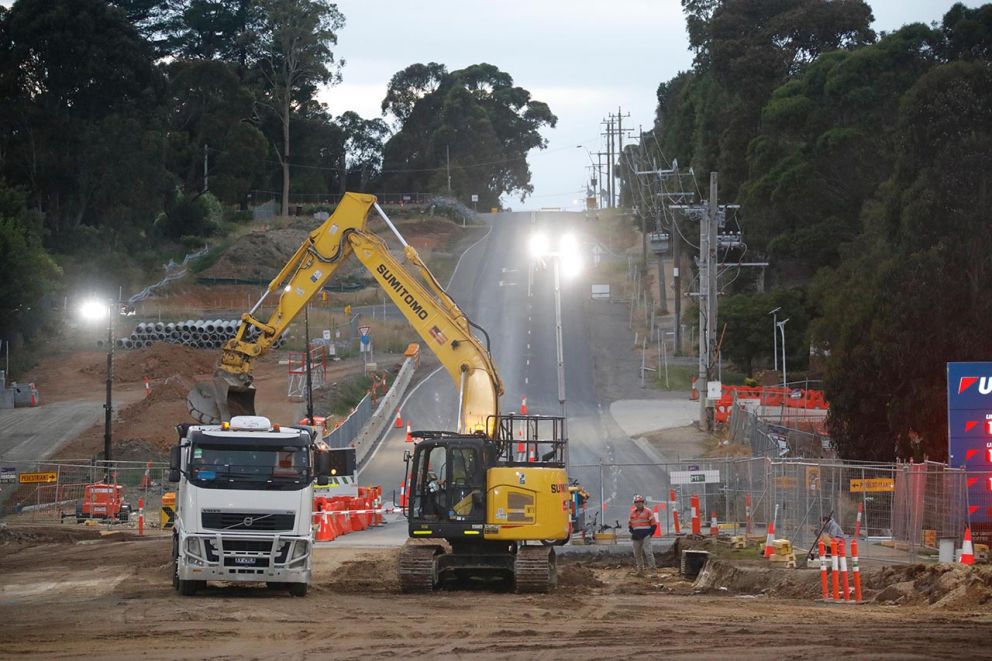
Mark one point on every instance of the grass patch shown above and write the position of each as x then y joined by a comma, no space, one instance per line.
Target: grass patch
679,378
341,398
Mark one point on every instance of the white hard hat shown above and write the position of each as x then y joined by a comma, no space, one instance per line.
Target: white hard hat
638,498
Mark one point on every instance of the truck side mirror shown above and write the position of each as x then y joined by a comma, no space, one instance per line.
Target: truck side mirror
175,462
407,456
323,467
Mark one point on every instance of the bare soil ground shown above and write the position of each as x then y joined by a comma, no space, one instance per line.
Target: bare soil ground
80,594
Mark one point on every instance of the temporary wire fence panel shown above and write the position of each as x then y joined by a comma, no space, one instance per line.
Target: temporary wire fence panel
41,492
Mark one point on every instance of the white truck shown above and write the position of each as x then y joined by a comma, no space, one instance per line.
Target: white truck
244,503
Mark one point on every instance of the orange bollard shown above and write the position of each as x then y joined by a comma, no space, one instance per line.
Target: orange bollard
857,522
843,569
657,527
856,569
697,526
714,526
141,516
823,571
675,511
835,566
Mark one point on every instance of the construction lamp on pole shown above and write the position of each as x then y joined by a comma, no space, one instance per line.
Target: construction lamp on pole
781,327
95,310
774,314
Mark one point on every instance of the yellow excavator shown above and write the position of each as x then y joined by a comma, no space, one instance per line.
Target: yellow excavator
488,500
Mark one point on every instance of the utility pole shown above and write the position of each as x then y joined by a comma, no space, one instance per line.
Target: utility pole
447,154
206,172
609,161
677,283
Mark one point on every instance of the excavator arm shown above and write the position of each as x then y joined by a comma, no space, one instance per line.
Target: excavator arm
420,298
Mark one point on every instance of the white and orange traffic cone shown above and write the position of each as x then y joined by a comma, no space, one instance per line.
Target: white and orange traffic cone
523,406
399,419
747,515
967,550
409,434
657,523
857,521
714,526
148,388
769,540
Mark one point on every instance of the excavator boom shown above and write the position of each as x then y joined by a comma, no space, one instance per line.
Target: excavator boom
422,301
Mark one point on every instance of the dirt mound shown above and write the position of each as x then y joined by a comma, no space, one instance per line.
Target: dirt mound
159,361
258,255
364,575
956,587
45,535
577,576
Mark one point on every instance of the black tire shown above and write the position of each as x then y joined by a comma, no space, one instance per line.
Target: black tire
276,585
298,589
175,562
189,588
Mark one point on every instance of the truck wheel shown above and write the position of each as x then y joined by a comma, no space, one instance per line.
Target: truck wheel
275,585
175,562
189,588
298,589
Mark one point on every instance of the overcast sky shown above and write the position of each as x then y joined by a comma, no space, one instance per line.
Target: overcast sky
584,59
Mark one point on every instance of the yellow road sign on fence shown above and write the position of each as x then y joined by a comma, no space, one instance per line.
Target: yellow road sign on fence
786,482
38,478
873,484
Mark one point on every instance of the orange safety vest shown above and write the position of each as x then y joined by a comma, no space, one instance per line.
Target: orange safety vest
642,520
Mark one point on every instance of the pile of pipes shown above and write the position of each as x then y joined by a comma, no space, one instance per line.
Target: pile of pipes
196,333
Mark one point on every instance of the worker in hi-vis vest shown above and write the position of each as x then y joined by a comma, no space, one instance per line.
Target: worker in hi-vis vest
642,525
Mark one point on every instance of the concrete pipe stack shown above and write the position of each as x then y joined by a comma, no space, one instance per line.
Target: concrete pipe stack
196,333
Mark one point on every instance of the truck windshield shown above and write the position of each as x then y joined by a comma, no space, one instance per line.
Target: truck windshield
275,468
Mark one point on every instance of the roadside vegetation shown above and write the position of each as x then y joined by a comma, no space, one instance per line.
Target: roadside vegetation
862,165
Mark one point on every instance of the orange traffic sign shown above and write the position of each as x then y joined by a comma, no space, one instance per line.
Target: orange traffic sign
38,478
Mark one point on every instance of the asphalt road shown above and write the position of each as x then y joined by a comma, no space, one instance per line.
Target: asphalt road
35,433
490,283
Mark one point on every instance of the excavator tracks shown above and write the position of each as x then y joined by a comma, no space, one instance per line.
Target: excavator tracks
418,568
535,569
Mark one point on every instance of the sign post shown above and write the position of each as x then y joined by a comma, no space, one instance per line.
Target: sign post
969,430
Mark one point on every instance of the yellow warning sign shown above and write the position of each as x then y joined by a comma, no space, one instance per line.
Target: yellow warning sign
786,482
873,484
37,478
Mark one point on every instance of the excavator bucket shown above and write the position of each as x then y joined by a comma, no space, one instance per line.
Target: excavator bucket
211,402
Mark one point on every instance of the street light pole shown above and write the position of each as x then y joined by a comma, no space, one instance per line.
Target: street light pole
775,336
781,327
558,338
108,406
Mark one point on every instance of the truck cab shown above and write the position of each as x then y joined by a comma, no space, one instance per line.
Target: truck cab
244,503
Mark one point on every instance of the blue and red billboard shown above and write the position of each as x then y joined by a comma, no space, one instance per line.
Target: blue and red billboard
969,431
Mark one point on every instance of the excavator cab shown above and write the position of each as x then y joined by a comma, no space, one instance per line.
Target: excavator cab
499,504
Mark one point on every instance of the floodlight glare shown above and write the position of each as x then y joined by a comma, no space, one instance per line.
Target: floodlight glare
93,310
538,245
568,244
571,264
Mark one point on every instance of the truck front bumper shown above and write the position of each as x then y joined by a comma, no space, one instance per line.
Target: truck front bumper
244,559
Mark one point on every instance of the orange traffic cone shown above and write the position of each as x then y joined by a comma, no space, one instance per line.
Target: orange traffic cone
402,494
523,406
967,550
714,526
769,543
693,394
409,436
399,420
657,523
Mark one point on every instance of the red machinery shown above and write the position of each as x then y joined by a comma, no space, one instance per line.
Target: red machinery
103,501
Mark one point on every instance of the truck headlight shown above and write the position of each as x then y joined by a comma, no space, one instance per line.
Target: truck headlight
193,546
299,550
